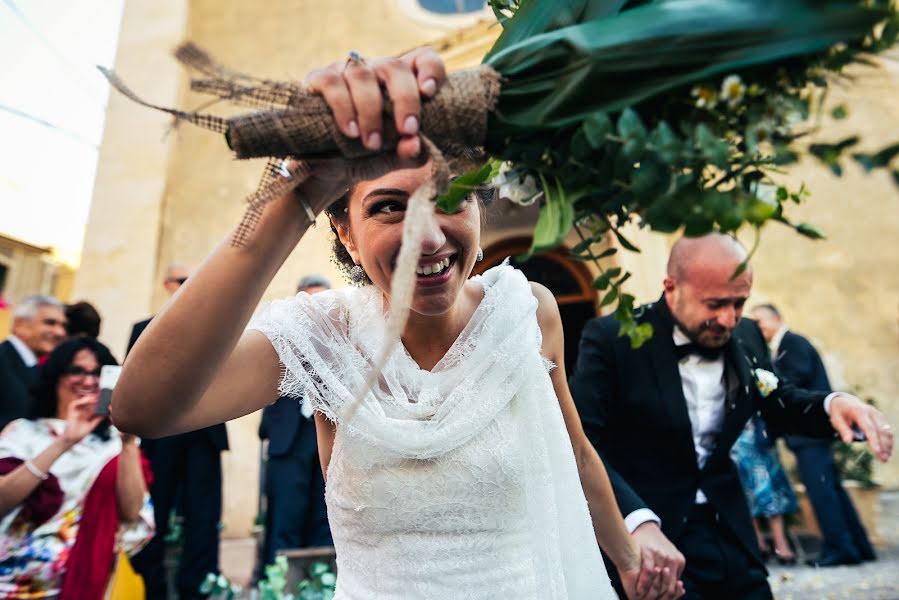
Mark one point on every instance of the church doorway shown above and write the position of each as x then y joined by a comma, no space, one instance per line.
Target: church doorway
568,280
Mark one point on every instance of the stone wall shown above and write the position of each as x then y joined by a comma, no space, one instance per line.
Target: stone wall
843,293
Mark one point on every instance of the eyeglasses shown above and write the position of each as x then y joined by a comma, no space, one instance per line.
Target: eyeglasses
178,280
76,371
49,322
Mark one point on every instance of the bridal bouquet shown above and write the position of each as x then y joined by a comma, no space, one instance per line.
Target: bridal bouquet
673,114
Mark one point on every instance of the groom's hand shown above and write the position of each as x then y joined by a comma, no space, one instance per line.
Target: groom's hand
661,564
848,413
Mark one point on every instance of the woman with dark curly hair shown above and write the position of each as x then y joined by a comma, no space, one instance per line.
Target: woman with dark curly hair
68,480
464,468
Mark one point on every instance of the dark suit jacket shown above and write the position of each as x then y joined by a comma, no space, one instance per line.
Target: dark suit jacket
633,410
16,379
281,423
217,434
798,362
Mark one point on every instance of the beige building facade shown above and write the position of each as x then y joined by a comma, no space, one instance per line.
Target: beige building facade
27,269
167,194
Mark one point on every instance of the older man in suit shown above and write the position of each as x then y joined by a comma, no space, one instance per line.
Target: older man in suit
796,360
38,326
296,516
187,475
664,417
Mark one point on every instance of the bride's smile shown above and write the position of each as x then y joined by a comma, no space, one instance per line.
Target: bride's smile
373,229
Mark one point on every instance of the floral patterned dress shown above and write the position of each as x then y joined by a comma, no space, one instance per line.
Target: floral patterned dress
767,489
35,539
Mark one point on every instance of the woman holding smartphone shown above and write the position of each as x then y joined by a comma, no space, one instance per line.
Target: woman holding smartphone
68,480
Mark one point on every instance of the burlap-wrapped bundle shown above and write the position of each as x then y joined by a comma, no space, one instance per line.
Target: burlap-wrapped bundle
298,123
455,119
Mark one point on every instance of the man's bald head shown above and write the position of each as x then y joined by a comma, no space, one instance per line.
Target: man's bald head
688,253
704,296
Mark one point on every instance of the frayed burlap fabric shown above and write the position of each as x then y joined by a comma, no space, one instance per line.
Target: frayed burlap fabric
297,123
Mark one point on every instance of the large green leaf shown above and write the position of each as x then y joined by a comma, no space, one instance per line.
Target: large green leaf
541,16
463,186
555,221
557,78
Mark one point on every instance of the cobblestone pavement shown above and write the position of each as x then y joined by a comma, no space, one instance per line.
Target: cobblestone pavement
872,581
878,580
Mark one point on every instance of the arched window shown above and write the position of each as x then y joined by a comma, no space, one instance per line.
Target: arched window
452,7
449,15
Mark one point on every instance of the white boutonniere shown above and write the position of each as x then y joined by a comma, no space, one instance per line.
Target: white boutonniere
766,381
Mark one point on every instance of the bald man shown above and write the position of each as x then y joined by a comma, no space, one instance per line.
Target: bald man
664,418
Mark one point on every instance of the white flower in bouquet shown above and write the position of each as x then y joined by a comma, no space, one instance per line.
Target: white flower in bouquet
732,90
759,132
706,97
519,190
766,382
500,177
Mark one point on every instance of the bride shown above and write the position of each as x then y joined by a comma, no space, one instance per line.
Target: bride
465,472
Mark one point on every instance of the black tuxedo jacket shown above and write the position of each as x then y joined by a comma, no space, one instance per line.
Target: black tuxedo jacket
282,421
217,434
633,410
16,379
798,362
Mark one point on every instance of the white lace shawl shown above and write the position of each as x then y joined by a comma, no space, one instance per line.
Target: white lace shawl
327,342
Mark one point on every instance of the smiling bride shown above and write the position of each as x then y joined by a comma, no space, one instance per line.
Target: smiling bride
464,471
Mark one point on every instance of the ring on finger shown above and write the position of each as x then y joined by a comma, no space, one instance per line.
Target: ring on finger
355,59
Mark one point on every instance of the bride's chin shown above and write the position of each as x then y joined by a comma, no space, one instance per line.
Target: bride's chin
431,307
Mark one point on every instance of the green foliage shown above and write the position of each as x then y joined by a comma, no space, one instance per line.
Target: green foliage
854,461
464,185
319,584
719,96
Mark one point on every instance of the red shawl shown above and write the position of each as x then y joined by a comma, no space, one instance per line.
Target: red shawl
93,555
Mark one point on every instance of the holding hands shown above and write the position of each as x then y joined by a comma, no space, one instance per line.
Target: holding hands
661,565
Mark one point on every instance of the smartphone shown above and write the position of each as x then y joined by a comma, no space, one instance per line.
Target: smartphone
109,375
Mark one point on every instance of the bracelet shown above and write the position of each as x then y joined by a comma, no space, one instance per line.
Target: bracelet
309,214
32,468
301,172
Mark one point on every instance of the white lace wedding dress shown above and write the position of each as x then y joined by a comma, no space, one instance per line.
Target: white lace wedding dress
459,482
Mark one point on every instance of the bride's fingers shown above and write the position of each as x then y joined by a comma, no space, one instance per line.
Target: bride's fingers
330,83
402,89
409,146
368,102
430,72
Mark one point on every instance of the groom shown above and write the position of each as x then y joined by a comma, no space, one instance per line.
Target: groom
664,417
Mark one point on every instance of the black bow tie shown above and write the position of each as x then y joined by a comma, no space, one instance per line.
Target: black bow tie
687,349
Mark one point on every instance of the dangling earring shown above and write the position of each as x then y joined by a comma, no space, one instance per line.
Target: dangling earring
480,255
357,275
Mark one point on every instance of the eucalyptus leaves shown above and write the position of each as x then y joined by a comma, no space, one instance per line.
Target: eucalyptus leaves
697,107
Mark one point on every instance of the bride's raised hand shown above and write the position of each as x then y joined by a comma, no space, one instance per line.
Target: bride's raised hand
353,91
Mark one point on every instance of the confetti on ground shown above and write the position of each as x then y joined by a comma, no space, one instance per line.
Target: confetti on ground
878,580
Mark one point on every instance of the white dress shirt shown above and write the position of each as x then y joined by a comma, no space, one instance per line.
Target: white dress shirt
27,354
774,344
704,391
